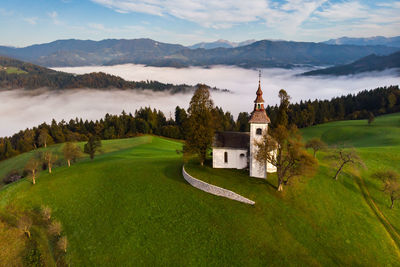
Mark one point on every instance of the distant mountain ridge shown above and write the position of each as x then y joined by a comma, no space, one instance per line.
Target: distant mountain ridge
265,53
366,64
377,40
221,43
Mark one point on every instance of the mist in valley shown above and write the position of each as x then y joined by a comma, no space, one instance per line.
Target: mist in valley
20,109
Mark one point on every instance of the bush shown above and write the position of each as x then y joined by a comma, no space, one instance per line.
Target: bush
55,228
33,256
11,177
46,212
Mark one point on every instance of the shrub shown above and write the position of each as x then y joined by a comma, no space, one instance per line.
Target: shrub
11,177
33,256
55,228
46,212
62,244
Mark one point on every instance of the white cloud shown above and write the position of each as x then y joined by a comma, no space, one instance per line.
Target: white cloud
291,18
217,14
54,16
5,12
32,20
94,104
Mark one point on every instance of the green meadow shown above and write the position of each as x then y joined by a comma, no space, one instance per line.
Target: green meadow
130,206
12,70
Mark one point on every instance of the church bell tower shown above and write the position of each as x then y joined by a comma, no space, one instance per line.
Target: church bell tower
258,126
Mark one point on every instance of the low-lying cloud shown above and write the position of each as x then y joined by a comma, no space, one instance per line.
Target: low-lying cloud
20,109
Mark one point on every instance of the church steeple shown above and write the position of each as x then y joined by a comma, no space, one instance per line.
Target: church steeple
259,102
259,115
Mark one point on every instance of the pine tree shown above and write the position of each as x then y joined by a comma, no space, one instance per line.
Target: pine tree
92,146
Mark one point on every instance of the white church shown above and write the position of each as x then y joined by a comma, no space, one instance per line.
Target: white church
237,149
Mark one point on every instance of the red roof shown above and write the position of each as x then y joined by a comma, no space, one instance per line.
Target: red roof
259,98
259,116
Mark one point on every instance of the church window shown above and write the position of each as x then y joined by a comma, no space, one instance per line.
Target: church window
258,131
226,157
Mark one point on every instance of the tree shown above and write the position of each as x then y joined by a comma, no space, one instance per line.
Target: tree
316,144
49,159
198,126
43,137
283,148
32,167
25,224
92,146
391,184
71,152
242,123
371,118
282,118
345,157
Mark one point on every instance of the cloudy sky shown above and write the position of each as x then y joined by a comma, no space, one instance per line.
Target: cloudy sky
25,22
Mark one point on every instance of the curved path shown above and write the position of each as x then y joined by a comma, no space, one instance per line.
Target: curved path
213,189
381,217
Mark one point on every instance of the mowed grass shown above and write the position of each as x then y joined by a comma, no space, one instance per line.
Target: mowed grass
325,221
378,145
12,70
131,206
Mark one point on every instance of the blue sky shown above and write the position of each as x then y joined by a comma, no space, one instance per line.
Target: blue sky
26,22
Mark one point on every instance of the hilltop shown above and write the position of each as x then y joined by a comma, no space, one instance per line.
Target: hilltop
365,64
130,205
264,53
18,74
376,40
221,43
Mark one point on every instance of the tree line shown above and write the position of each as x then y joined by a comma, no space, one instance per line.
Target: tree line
379,101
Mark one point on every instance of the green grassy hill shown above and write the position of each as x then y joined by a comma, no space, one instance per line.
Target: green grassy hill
131,206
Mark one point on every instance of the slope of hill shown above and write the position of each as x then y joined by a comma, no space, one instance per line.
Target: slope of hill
377,40
30,76
365,64
145,51
221,43
131,205
86,52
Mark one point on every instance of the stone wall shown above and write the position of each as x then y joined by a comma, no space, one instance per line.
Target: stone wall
215,190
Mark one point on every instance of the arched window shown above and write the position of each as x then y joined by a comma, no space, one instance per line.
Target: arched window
258,131
226,157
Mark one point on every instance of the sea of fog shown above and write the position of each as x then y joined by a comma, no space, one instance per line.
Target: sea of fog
20,109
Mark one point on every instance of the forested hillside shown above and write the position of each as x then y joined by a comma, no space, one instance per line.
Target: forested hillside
33,76
365,64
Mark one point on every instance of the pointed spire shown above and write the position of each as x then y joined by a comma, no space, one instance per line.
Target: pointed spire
259,115
259,99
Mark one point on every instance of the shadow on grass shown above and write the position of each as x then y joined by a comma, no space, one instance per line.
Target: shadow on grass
173,171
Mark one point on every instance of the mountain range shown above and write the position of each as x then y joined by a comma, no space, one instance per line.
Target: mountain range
377,40
365,64
221,43
265,53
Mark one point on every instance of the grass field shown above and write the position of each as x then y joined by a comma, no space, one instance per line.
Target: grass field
11,70
131,206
